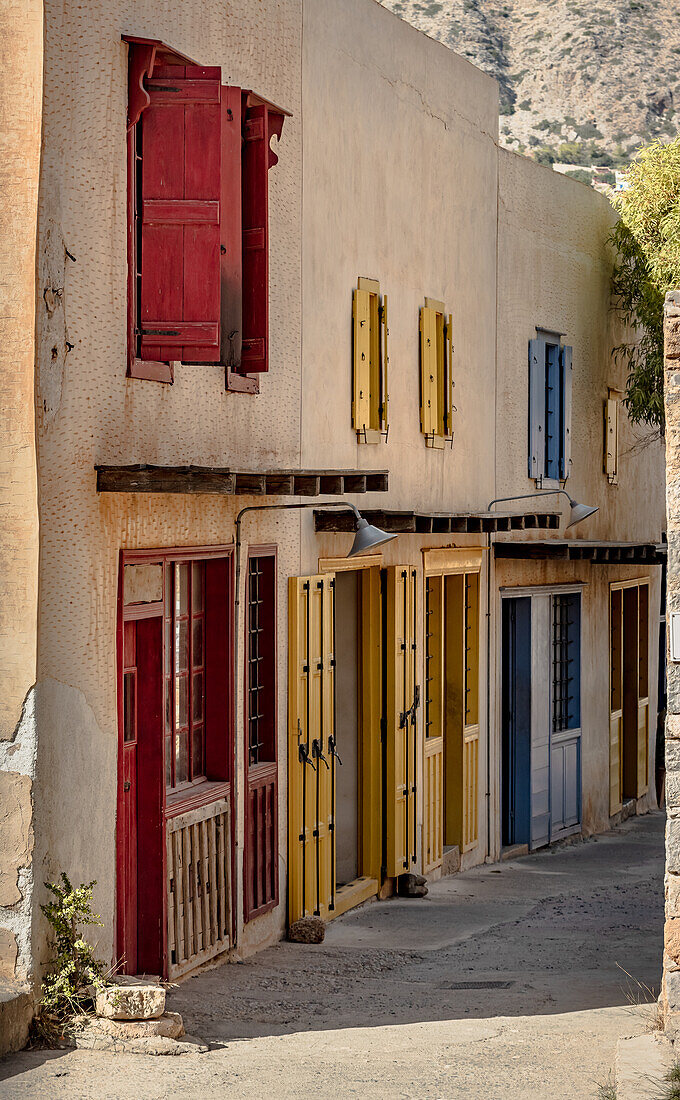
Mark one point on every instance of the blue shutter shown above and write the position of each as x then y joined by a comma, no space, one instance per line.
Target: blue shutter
566,373
553,420
536,407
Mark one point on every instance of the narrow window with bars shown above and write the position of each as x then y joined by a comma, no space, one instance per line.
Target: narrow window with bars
260,660
566,661
261,809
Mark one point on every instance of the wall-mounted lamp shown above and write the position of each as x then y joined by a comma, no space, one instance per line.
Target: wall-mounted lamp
577,511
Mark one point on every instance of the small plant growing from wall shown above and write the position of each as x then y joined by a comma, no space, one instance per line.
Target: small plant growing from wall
74,974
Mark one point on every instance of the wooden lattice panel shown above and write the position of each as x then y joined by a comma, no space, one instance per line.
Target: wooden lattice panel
199,886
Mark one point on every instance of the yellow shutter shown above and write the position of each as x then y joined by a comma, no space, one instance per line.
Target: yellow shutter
369,372
611,439
615,701
440,367
361,398
448,379
434,724
428,376
401,707
311,708
384,363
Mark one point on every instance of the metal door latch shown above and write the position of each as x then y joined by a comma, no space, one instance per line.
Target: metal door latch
333,751
126,785
317,751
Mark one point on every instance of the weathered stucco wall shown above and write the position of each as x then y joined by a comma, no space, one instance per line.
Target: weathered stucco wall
399,181
20,122
554,271
89,412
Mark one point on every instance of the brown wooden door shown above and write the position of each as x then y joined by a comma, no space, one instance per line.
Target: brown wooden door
140,894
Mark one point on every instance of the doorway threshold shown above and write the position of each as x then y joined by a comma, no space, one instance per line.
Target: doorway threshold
353,893
514,851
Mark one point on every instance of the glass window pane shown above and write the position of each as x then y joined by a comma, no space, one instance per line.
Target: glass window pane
181,645
197,750
181,701
197,654
197,701
129,715
197,585
168,705
168,761
181,588
181,757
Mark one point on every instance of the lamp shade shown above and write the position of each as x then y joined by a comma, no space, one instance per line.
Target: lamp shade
579,512
367,537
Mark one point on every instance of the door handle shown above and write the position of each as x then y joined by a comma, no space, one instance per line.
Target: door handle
126,785
317,751
333,751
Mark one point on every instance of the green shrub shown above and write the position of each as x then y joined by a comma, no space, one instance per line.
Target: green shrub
580,174
73,966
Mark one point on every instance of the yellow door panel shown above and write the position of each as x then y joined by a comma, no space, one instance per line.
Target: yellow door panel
433,765
401,706
461,745
616,701
432,803
310,724
642,747
615,761
370,696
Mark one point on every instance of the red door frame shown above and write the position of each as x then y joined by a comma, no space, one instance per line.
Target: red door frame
223,790
268,770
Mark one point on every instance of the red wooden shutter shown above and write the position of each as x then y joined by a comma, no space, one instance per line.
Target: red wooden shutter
180,199
260,124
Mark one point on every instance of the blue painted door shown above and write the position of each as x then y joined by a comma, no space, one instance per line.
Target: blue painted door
516,720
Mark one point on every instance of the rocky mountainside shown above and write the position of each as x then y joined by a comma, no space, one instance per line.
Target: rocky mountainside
584,82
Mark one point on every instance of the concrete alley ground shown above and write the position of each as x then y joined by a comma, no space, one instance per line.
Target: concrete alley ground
507,981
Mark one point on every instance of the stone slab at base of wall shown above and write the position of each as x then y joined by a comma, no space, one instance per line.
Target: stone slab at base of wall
641,1065
16,1013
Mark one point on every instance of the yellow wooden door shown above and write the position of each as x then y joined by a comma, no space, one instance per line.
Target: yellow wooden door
401,708
615,700
311,732
433,810
471,712
461,736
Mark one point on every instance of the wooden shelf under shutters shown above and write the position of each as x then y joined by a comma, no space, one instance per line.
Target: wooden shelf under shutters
436,523
210,479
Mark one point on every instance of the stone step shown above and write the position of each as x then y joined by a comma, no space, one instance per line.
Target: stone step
641,1066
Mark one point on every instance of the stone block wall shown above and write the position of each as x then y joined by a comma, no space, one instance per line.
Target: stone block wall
670,993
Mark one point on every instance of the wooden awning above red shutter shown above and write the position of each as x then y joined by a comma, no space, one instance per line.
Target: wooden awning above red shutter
180,215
